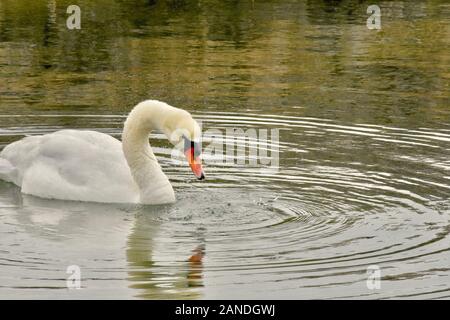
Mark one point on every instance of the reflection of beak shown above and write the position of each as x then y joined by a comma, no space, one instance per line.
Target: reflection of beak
195,163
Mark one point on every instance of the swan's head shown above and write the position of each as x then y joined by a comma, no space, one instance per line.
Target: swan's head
183,131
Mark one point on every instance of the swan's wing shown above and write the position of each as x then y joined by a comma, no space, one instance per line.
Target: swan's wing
73,165
7,171
19,155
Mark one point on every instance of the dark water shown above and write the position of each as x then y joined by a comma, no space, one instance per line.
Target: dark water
364,131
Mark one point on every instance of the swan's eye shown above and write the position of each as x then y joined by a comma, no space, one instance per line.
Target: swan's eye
193,146
192,151
196,147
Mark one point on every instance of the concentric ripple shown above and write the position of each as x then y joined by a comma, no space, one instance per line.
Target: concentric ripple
344,197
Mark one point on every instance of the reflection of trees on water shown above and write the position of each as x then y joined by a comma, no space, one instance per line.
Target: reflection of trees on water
267,55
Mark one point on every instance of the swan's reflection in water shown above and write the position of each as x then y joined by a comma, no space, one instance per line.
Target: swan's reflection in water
158,271
115,246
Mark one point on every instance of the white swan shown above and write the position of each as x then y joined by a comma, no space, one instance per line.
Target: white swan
92,166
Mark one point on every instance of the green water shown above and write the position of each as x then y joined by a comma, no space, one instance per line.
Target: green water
364,130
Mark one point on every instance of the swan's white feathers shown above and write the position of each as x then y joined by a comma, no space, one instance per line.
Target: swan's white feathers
92,166
7,171
72,165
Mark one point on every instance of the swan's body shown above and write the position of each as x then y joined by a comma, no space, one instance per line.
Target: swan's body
92,166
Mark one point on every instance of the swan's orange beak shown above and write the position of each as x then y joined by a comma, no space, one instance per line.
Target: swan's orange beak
192,153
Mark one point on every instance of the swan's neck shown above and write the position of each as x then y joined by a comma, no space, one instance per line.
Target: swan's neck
154,186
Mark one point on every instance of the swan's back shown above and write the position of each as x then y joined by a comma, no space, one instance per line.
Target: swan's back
70,165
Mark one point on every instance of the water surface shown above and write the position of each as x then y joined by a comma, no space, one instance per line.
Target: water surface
364,132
